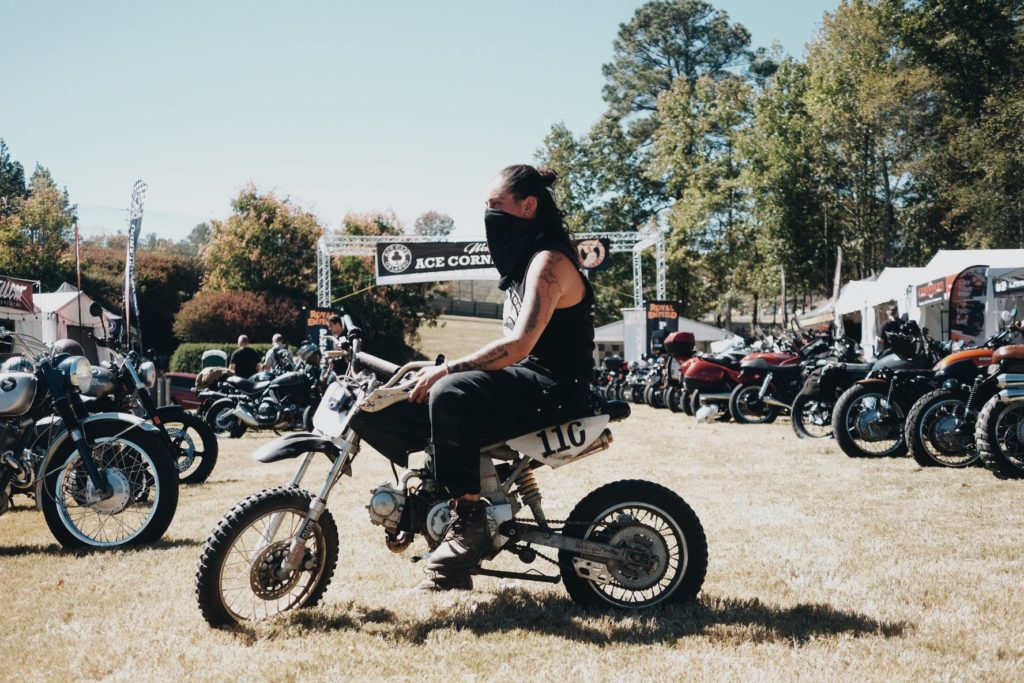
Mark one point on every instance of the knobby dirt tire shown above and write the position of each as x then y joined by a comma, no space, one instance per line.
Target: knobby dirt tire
989,449
916,440
210,570
643,497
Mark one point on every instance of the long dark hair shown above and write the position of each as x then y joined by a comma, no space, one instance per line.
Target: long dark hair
522,181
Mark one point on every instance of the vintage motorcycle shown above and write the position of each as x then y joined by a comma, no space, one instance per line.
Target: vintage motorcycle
811,412
103,480
267,401
941,424
123,385
768,383
869,418
999,429
630,544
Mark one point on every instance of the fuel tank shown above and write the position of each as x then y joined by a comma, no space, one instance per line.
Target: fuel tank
17,391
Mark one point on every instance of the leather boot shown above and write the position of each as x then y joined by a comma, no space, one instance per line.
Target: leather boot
465,542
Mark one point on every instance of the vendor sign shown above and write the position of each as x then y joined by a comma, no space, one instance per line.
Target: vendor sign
930,292
967,305
1011,284
15,293
316,322
662,320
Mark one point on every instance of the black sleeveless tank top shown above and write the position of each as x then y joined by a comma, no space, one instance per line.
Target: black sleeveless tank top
566,346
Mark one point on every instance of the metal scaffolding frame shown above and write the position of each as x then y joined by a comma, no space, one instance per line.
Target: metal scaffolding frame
329,246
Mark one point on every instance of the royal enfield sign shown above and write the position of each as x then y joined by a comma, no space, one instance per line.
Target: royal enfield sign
15,293
404,262
662,320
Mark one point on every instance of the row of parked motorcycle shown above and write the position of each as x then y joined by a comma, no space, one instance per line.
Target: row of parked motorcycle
948,405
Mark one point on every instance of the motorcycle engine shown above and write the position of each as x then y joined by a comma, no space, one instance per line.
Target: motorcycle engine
268,412
386,503
427,513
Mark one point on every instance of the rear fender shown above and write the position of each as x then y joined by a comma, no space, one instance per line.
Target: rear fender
293,445
127,423
873,380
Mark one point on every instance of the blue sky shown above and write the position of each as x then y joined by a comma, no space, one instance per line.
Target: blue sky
341,106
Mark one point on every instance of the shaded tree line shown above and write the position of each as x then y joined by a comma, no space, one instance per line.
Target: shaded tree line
896,135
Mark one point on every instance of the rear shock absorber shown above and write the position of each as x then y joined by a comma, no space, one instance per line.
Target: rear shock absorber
529,494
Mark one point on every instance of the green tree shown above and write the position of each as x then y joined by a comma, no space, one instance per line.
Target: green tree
12,182
434,224
37,237
266,245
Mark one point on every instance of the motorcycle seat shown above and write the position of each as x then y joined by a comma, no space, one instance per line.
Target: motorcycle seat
1011,352
724,361
858,367
762,364
247,385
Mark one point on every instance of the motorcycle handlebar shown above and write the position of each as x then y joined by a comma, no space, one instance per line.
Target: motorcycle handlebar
351,330
380,367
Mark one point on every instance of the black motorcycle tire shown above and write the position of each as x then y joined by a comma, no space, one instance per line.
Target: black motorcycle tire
640,498
307,417
684,402
195,427
672,399
162,486
648,396
916,437
842,435
243,516
233,430
797,420
990,448
737,406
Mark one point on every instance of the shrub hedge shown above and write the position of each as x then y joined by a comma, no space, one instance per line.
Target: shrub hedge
189,357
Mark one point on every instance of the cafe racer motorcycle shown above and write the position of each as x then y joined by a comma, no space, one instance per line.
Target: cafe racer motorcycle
629,544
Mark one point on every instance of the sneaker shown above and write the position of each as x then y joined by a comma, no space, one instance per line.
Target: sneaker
465,542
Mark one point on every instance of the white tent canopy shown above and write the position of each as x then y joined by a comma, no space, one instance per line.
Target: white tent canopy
57,316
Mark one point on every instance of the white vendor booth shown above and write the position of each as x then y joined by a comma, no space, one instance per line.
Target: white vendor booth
633,331
865,302
54,316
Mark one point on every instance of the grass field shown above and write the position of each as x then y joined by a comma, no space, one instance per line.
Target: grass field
457,335
821,568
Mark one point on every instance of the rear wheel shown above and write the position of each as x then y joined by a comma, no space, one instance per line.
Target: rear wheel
811,418
747,408
939,431
221,422
239,577
672,399
684,402
668,546
1000,437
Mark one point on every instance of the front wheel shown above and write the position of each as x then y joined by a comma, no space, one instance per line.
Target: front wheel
811,418
672,398
239,577
222,423
747,408
669,552
999,433
866,425
193,444
141,476
939,431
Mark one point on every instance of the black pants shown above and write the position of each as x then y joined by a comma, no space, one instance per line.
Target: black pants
468,411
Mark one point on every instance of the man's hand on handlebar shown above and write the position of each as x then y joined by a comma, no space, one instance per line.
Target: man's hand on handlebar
426,378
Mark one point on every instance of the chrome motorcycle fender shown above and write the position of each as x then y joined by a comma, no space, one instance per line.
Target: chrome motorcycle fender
293,445
561,444
135,421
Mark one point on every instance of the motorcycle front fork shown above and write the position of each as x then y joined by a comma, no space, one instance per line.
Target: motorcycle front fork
764,387
349,448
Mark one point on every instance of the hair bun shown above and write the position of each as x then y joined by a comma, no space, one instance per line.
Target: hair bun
547,176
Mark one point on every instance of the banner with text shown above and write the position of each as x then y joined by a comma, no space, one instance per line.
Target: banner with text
967,305
662,320
15,293
404,262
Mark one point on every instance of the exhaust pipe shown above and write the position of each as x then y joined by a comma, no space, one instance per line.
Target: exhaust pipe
768,400
1012,395
1010,380
244,416
714,397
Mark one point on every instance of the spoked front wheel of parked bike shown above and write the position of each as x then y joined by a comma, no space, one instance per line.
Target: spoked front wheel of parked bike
999,434
939,431
667,549
240,576
812,419
193,444
746,406
143,492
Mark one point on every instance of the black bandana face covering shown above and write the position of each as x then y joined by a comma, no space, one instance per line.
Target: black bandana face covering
510,240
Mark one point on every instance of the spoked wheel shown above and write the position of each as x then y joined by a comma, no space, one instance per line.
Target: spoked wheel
668,549
672,398
240,578
143,482
193,444
746,408
812,419
866,425
1000,438
939,432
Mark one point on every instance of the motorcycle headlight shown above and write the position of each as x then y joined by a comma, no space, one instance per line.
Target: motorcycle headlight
147,373
79,372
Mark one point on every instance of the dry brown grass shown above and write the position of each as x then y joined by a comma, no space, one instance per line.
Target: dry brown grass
821,568
457,335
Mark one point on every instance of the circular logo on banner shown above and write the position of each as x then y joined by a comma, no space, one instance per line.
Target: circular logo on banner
592,253
396,258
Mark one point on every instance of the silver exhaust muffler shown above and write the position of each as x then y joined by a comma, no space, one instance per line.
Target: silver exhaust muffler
1012,395
1010,380
244,416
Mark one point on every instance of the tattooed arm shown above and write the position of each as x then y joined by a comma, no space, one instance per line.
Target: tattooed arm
545,289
